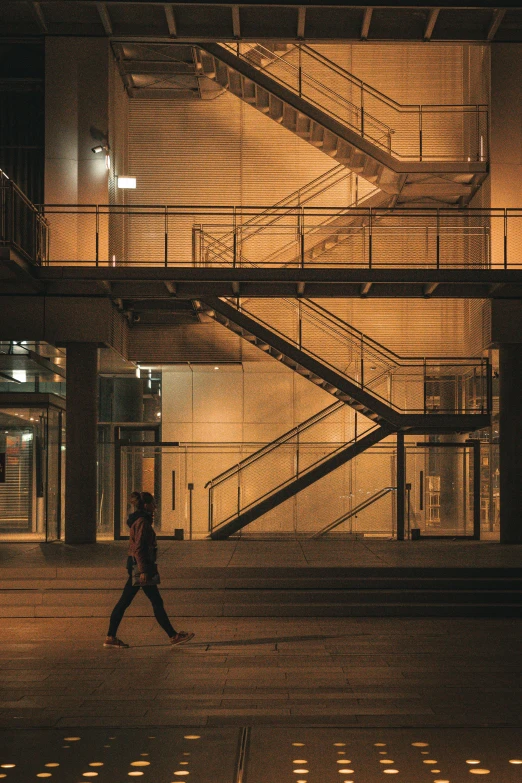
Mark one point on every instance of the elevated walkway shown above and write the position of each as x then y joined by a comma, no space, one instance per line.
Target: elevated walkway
321,578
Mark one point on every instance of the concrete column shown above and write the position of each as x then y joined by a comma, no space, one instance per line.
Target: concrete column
76,119
81,443
510,371
505,178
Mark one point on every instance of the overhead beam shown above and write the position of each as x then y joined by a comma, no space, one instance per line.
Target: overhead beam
40,18
236,22
301,21
429,289
430,24
171,20
496,21
105,18
365,27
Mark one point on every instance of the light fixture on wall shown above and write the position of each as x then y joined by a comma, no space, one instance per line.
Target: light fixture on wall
103,148
127,182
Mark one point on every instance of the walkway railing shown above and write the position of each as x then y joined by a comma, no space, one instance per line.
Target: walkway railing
276,236
22,225
434,132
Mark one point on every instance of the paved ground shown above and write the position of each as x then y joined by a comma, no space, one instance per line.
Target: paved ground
359,672
261,754
300,553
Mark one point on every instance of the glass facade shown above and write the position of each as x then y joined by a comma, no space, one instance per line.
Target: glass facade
31,461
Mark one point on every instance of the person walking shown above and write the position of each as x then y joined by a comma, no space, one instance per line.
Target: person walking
142,552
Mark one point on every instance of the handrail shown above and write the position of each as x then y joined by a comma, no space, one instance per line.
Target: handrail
421,362
7,182
381,95
252,458
293,477
359,118
347,515
317,84
323,179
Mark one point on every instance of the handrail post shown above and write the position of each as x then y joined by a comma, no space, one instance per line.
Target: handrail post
166,237
234,259
438,238
420,131
210,509
300,72
505,238
478,132
362,361
301,216
370,238
362,109
425,383
238,494
97,234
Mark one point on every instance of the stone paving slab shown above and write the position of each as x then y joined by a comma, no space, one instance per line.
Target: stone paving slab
380,672
206,554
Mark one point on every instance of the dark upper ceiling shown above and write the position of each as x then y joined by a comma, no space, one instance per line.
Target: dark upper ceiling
292,20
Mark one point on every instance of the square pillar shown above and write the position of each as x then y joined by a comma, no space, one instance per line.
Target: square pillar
81,443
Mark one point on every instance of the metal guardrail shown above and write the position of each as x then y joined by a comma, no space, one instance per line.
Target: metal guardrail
429,386
278,236
22,225
408,132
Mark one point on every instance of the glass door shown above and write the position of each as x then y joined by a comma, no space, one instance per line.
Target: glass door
139,471
442,482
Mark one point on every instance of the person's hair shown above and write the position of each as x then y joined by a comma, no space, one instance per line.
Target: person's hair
136,495
146,498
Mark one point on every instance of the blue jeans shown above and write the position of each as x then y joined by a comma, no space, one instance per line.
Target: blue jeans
127,597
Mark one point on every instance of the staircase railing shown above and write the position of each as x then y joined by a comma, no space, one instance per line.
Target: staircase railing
22,225
211,250
409,132
276,464
407,384
381,493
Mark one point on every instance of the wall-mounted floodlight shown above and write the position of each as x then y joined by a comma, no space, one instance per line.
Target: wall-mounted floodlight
103,148
127,182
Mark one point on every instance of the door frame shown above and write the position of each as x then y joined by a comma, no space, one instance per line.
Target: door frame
474,445
120,441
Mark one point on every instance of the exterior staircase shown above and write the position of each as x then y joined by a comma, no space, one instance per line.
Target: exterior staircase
394,393
408,394
413,153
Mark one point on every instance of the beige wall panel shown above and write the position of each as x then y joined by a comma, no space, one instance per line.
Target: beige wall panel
264,432
176,395
218,397
218,432
309,399
268,397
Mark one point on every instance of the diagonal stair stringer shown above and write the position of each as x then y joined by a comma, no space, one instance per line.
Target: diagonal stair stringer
328,378
339,458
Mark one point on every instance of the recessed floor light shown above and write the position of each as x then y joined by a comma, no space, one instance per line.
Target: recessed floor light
479,771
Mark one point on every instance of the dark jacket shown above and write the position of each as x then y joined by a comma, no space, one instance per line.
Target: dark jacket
142,543
131,519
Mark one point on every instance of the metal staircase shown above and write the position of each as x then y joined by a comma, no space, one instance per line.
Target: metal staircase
435,154
272,494
409,394
395,393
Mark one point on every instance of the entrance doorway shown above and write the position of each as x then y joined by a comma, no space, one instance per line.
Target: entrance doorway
442,489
